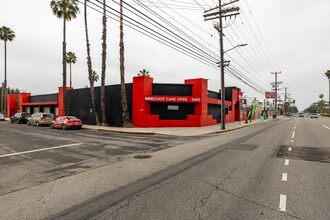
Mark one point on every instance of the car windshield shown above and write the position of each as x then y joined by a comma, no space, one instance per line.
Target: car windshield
26,114
49,115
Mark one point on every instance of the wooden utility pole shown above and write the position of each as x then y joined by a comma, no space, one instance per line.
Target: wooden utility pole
219,13
276,84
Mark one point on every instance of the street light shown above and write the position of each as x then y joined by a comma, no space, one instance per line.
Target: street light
239,45
222,71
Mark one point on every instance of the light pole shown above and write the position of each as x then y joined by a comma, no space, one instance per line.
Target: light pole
222,70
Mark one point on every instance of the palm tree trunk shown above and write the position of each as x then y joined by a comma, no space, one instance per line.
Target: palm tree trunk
89,65
126,119
104,57
70,75
64,67
5,84
329,98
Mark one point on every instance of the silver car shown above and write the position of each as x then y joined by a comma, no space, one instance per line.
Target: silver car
2,117
40,118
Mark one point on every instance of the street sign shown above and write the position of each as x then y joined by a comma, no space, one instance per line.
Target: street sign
275,86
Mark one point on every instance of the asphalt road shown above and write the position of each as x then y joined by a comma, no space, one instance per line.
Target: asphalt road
31,155
273,171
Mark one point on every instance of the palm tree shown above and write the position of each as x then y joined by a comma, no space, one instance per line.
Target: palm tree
126,119
71,58
328,75
66,10
91,73
143,72
321,102
104,58
6,34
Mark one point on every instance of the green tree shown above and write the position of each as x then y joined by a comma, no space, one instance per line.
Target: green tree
91,73
66,10
71,58
126,120
6,34
328,75
104,58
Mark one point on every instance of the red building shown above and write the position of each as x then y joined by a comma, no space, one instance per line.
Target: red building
152,105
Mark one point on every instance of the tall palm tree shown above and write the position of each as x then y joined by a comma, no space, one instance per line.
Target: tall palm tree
104,58
328,75
6,34
126,119
91,73
321,102
66,10
71,58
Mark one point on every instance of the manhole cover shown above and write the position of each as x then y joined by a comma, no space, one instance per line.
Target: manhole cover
142,156
305,153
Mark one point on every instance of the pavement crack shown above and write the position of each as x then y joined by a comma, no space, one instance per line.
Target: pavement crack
215,188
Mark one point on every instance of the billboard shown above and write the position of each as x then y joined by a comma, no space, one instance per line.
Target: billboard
270,95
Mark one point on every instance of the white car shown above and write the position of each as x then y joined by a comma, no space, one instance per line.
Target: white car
313,115
2,117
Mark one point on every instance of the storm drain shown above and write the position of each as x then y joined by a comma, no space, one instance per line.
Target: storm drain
144,156
305,153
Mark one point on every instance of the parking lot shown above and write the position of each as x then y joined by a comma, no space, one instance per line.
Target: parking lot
31,155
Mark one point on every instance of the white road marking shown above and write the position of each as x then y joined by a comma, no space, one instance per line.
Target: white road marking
293,134
295,127
284,177
287,161
290,149
282,206
37,150
291,141
326,127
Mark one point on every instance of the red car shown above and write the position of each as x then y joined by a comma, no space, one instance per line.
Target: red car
66,122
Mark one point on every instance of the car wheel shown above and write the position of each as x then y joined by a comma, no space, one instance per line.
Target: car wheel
11,121
52,126
37,124
63,127
28,123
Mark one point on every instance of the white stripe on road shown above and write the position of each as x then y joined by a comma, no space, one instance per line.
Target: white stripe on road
282,206
326,127
290,149
37,150
284,177
295,127
291,141
286,163
293,134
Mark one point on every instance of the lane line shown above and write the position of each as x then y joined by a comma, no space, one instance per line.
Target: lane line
290,149
287,161
293,134
291,141
284,177
326,127
282,205
295,127
38,150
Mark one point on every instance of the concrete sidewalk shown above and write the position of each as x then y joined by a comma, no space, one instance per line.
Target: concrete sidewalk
178,131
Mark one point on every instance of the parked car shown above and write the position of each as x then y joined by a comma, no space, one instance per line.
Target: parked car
2,117
314,115
66,122
40,118
301,115
20,117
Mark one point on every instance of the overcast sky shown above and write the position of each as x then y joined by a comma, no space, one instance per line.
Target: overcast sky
294,39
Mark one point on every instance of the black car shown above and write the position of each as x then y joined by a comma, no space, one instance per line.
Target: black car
20,117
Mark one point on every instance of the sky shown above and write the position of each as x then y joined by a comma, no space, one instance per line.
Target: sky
288,36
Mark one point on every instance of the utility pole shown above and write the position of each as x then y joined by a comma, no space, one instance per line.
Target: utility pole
221,13
285,98
276,85
2,92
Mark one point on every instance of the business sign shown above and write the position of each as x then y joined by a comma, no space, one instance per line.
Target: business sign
270,95
173,107
180,99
